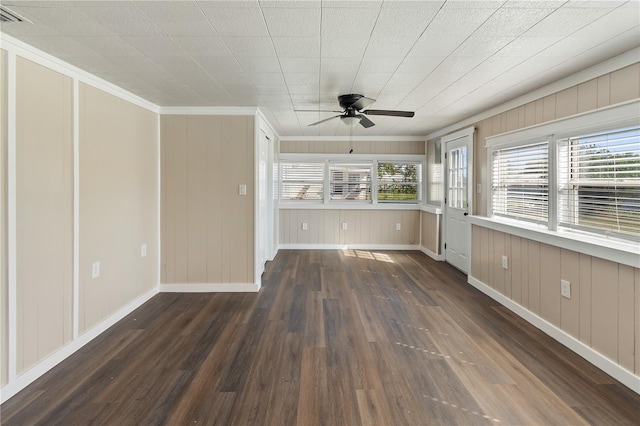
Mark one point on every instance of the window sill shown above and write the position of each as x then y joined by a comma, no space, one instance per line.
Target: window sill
336,205
627,253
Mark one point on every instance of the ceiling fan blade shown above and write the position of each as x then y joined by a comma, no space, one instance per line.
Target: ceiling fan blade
326,119
389,113
362,103
315,110
365,122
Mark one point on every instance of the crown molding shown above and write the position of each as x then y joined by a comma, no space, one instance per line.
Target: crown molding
216,110
33,54
625,59
353,138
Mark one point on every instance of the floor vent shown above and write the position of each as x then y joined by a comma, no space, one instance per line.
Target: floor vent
7,15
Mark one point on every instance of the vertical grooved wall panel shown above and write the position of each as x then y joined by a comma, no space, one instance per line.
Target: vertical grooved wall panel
4,303
209,226
44,211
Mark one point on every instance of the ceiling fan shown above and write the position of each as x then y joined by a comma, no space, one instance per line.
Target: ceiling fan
353,105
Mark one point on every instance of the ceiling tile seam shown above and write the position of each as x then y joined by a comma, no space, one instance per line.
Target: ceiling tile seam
365,48
489,57
179,46
518,64
279,62
222,39
445,58
407,54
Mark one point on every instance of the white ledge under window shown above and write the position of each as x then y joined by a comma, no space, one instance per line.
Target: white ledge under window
297,205
627,253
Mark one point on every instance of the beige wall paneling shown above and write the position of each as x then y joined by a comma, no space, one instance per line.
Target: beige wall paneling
485,264
539,111
118,203
604,90
515,267
570,308
496,261
315,226
585,298
567,102
365,225
214,215
512,119
550,284
4,318
588,95
476,250
303,236
625,84
331,226
238,155
410,227
549,108
534,277
626,317
530,114
44,212
196,205
604,310
636,302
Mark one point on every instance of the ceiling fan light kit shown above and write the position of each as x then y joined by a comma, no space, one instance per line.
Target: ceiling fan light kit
353,106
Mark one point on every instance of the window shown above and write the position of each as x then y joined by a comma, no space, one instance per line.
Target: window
302,181
350,181
399,182
599,182
457,183
520,182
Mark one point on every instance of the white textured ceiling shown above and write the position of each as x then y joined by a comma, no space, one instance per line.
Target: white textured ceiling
445,60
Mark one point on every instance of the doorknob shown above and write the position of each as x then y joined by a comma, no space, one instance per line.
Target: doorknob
466,214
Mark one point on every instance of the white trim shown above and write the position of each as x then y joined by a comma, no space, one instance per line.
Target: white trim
621,115
349,247
623,60
344,205
191,110
371,138
210,288
469,131
350,157
434,256
258,265
29,376
12,262
605,364
429,208
617,251
159,195
76,208
31,53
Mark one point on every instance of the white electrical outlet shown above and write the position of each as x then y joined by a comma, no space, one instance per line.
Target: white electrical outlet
143,250
505,262
95,270
479,188
398,227
565,289
344,226
242,189
305,226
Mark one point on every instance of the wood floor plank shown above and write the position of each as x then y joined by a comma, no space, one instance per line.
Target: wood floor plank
335,337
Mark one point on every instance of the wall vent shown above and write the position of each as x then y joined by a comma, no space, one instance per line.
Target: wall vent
7,15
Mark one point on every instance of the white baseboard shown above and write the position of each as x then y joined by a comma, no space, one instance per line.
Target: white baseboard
348,247
29,376
209,288
616,371
431,254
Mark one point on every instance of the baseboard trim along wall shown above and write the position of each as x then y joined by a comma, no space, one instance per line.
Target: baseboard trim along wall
605,364
29,376
349,247
210,288
431,254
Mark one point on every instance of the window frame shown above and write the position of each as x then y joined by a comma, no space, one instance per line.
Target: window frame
372,160
608,119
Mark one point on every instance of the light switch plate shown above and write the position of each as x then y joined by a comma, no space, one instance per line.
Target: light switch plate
143,250
565,289
398,227
344,226
505,262
242,190
95,270
305,226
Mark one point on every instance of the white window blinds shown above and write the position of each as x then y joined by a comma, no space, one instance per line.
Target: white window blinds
349,182
599,182
302,181
520,182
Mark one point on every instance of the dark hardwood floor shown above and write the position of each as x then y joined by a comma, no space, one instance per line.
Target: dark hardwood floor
333,338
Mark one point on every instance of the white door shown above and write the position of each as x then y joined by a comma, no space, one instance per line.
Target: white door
458,199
